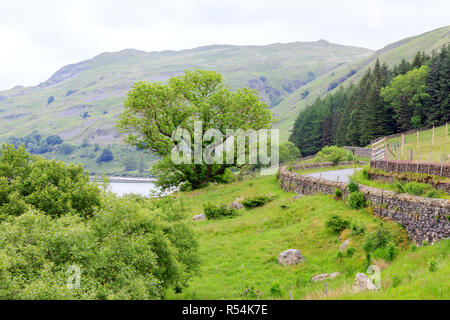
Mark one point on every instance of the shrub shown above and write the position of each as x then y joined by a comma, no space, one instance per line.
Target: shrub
433,264
365,173
275,289
434,194
399,186
106,156
380,242
66,149
218,211
388,252
337,224
289,152
45,185
53,140
186,186
353,187
334,154
357,200
338,193
396,281
126,251
415,188
257,201
350,252
227,177
358,228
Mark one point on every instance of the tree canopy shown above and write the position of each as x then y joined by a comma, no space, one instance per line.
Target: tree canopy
154,111
385,101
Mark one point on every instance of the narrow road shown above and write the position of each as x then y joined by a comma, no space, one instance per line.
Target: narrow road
343,175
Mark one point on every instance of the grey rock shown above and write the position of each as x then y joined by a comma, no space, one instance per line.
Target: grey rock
344,245
362,283
199,217
290,257
325,276
236,205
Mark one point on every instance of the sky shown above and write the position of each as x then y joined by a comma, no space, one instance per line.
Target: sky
39,37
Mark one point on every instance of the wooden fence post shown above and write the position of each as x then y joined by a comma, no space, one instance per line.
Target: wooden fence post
417,140
432,141
403,143
446,132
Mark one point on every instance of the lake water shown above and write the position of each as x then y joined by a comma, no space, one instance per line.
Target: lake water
141,188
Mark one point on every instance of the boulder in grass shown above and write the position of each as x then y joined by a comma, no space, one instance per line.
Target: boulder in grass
290,257
362,283
236,205
199,217
325,276
344,245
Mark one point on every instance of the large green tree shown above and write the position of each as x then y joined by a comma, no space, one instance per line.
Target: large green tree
154,111
407,96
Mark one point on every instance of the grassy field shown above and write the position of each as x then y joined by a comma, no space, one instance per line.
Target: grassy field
437,152
239,256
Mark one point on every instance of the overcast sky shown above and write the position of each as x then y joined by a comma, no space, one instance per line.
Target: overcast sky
39,37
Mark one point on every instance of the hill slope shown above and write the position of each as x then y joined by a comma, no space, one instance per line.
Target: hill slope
84,99
286,112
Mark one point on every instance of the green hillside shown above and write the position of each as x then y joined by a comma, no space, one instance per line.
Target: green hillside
426,149
239,255
286,112
83,100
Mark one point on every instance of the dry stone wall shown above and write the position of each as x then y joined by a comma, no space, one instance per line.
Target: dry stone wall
424,219
434,168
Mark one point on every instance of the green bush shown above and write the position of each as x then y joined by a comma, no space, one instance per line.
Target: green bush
257,201
388,252
358,228
186,186
45,185
334,154
218,211
337,224
352,187
357,200
227,177
433,264
365,173
126,251
434,194
337,193
380,243
106,156
66,149
350,252
275,289
289,152
416,188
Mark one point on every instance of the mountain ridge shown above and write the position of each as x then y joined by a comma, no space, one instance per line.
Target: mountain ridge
97,87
